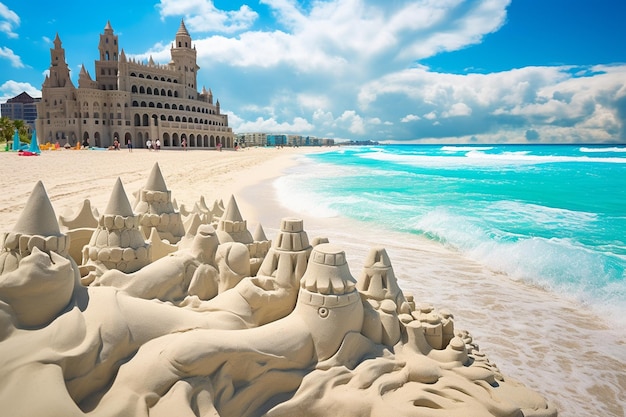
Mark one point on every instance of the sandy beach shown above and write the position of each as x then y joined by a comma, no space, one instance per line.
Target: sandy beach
555,346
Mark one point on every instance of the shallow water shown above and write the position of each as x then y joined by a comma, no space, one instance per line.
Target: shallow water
553,334
552,216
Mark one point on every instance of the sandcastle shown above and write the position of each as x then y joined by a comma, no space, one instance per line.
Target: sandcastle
229,323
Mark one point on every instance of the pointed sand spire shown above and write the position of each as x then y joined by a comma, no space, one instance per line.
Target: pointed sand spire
38,216
259,234
155,180
232,212
118,203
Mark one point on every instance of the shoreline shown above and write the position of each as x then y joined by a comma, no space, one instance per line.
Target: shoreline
553,346
549,342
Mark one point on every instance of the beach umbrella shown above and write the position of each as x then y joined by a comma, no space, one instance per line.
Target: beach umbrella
34,145
16,141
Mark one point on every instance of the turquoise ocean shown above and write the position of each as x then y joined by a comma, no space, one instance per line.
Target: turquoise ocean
552,216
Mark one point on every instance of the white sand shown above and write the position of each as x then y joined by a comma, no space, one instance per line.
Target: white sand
554,346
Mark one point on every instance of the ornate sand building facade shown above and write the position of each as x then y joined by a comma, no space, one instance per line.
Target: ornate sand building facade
130,100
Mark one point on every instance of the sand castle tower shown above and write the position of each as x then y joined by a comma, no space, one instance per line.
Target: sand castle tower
328,300
36,227
232,227
156,210
258,249
45,281
117,243
293,242
378,281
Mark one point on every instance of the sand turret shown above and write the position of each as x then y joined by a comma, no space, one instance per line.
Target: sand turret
36,227
258,249
378,281
156,210
292,241
117,242
328,301
231,226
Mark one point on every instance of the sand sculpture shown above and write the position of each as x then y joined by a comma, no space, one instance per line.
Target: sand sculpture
197,333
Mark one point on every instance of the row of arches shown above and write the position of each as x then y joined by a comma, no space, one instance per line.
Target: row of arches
153,91
174,106
144,120
157,78
169,140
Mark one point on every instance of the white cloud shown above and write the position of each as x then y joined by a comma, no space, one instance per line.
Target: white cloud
431,115
298,125
410,118
15,60
9,20
203,16
458,109
355,123
557,102
12,88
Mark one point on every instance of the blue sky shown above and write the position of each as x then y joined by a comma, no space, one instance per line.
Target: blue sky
538,71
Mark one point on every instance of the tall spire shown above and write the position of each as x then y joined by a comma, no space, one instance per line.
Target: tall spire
38,216
118,203
155,180
182,30
232,212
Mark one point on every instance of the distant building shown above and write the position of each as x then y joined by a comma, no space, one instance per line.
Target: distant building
252,139
272,139
276,140
21,107
131,100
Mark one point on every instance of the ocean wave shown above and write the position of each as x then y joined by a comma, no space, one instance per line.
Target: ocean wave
561,265
465,148
525,157
602,150
483,159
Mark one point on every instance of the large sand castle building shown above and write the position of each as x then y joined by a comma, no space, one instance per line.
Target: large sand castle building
130,100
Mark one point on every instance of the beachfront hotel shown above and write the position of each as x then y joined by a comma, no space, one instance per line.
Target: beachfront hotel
130,100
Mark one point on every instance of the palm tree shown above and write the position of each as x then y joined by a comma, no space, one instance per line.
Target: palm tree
6,129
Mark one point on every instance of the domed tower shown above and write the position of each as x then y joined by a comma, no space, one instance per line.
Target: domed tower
184,60
106,66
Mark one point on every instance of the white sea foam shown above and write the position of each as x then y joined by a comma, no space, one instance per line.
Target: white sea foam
480,158
465,148
562,266
602,150
525,157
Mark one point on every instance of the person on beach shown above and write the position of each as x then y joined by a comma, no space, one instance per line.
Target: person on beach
157,144
129,145
85,144
219,146
184,144
149,144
